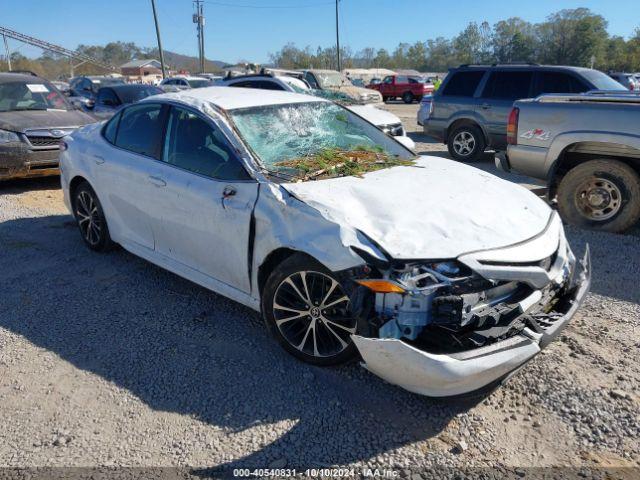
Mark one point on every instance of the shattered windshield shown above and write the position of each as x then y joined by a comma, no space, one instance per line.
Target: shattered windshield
316,140
331,79
16,96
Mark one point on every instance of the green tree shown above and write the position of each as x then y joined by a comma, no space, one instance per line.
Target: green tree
513,40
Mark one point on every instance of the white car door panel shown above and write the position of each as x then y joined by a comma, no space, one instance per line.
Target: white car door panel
201,221
125,171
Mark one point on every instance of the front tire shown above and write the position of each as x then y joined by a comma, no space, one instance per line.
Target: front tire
466,143
90,218
601,195
306,309
407,97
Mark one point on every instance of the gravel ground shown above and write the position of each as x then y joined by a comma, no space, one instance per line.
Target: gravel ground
106,360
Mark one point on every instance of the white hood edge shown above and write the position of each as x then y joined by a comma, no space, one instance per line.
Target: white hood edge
437,209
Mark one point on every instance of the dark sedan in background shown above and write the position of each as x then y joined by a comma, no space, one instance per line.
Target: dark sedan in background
110,99
34,116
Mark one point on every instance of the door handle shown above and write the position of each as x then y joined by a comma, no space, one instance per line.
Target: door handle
228,192
485,106
98,159
157,181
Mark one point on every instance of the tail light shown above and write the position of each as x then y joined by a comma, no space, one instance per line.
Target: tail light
512,126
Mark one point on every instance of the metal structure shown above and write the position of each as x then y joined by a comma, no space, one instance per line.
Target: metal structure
155,20
198,19
6,32
338,37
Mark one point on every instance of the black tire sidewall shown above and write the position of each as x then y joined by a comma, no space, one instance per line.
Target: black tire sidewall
623,176
477,151
105,239
407,97
293,264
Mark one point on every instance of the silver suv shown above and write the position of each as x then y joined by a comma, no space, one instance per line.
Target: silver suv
469,111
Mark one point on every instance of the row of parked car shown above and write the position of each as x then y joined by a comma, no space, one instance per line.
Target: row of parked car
583,141
37,113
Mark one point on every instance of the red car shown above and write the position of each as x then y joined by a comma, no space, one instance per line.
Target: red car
403,86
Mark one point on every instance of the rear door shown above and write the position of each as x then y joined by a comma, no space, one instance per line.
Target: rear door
125,173
456,98
502,88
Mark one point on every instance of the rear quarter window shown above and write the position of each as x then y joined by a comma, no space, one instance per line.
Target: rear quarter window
463,84
111,129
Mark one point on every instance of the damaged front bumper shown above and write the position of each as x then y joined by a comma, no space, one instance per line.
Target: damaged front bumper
442,375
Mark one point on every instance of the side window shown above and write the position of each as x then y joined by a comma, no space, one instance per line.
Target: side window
463,84
107,98
402,79
388,80
311,80
507,85
558,82
240,85
267,85
140,130
111,129
194,145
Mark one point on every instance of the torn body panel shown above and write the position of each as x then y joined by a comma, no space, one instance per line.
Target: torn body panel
436,369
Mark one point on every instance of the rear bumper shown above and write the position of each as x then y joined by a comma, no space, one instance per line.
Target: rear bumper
18,161
528,160
443,375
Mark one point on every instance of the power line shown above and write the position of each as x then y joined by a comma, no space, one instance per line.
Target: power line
309,5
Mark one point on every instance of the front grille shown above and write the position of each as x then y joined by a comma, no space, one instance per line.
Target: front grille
40,141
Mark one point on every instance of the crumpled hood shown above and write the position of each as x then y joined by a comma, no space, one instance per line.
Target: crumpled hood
437,209
354,91
25,120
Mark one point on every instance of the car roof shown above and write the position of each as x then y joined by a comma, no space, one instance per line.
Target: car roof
526,66
233,98
129,86
6,77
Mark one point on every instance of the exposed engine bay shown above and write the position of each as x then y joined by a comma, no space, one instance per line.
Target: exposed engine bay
445,307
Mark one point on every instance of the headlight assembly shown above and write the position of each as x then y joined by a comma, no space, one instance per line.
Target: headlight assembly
8,137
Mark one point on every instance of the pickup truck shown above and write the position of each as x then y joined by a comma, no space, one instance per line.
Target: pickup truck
402,86
587,148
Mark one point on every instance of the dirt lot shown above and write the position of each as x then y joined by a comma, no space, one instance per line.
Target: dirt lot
106,360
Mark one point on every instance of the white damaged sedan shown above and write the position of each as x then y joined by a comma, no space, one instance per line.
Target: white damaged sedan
442,278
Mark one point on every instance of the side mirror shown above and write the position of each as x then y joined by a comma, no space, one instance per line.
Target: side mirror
406,141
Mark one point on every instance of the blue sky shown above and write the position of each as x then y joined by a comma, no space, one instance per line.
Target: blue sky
234,33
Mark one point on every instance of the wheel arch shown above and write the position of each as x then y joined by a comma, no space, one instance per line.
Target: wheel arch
465,121
271,261
74,184
579,152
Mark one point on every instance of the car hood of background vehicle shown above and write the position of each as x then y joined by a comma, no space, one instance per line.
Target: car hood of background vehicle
354,91
374,115
24,120
437,209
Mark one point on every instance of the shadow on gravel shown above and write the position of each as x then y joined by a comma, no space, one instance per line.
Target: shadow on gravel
180,348
21,185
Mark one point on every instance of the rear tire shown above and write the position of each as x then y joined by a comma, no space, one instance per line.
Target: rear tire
316,331
407,97
466,143
601,195
90,218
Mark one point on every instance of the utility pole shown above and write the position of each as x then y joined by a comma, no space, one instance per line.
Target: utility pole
338,37
6,49
155,19
198,19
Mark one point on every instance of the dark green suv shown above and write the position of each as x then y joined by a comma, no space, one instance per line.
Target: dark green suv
469,111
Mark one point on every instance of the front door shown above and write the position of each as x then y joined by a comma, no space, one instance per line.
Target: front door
205,200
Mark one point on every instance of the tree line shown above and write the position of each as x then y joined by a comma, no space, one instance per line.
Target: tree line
567,37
